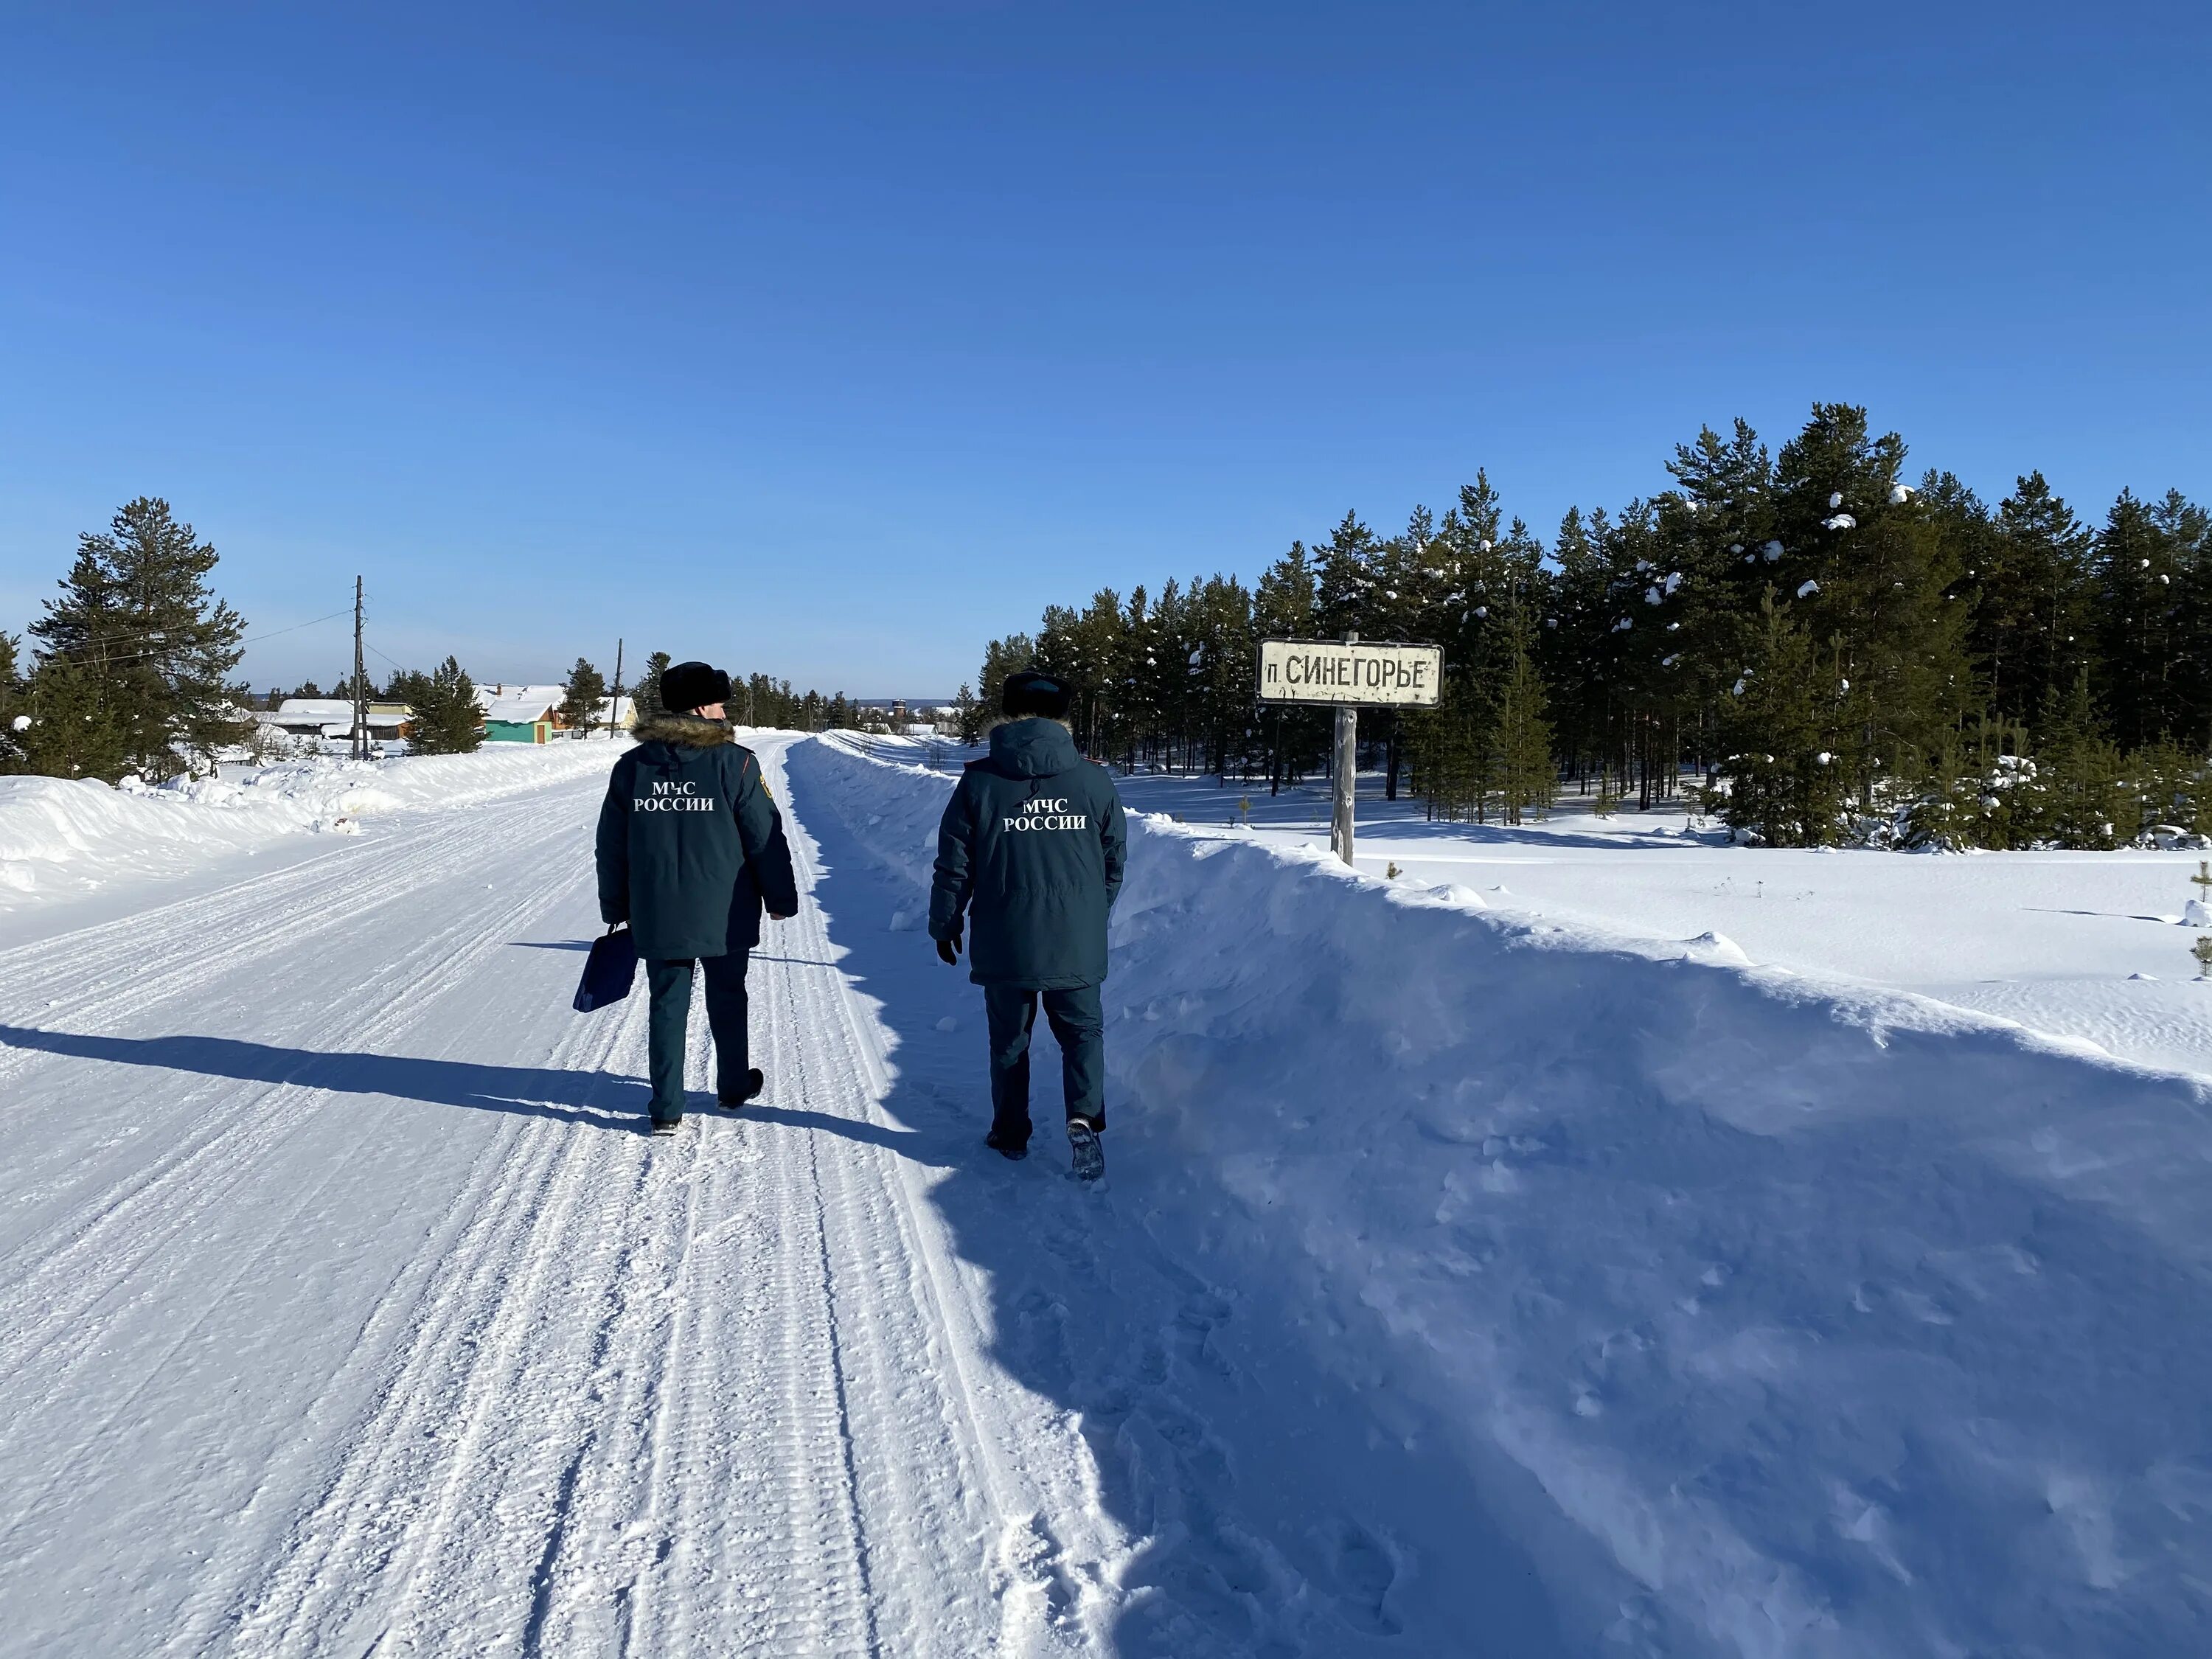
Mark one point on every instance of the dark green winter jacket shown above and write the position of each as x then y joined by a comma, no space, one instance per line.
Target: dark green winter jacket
691,847
1031,845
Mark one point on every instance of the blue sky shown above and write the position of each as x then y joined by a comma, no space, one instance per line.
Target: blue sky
830,339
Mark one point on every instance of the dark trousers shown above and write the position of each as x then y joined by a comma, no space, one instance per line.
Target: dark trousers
1078,1019
670,979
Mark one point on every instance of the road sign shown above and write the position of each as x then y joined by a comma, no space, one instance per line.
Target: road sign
1349,676
1350,673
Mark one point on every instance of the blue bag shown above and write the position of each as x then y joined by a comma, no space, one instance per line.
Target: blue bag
608,971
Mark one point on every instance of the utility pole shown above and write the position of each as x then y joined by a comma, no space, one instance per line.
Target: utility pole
359,683
614,697
1345,774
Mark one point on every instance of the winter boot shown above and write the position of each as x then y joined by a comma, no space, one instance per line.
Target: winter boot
754,1083
1089,1156
666,1126
1007,1147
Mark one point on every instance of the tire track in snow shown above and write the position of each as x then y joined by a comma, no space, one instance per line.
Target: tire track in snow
730,1395
71,1337
177,935
982,1559
352,1559
51,1303
150,1217
660,1341
140,961
728,1489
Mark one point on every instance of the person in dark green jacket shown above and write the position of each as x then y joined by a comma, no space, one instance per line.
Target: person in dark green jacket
1031,849
691,850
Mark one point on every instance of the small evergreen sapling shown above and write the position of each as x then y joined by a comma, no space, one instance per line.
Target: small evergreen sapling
1608,794
2202,949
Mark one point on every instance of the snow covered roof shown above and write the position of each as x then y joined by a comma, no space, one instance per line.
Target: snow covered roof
500,691
306,710
521,711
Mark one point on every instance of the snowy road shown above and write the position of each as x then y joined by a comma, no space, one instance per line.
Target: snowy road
343,1310
1478,1284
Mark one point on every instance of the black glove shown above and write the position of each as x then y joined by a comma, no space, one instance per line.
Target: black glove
948,948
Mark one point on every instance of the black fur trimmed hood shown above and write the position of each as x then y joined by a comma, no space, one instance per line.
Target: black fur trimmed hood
685,731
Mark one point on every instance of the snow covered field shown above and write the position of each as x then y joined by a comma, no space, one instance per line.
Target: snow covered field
1477,1272
2082,944
60,837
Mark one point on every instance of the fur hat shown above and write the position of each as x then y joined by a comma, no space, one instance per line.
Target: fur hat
687,685
1034,692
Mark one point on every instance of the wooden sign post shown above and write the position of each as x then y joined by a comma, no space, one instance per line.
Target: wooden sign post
1348,676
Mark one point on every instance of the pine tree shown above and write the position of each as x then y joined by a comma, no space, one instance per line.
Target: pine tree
1086,648
150,646
345,688
584,698
1454,751
76,730
2084,794
1285,607
1528,782
1705,565
1572,640
12,705
2031,625
1345,570
1869,568
446,719
647,698
1001,658
1784,784
2184,531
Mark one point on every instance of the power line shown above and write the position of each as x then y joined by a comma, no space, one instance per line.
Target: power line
95,648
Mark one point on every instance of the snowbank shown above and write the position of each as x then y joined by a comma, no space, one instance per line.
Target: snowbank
1776,1318
60,836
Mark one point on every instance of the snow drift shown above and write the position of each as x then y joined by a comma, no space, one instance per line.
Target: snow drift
1774,1318
61,836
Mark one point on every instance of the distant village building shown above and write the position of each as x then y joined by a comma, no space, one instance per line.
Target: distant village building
521,720
916,717
332,717
531,713
512,714
519,713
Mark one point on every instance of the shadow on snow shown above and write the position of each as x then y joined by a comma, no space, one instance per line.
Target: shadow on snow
598,1100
